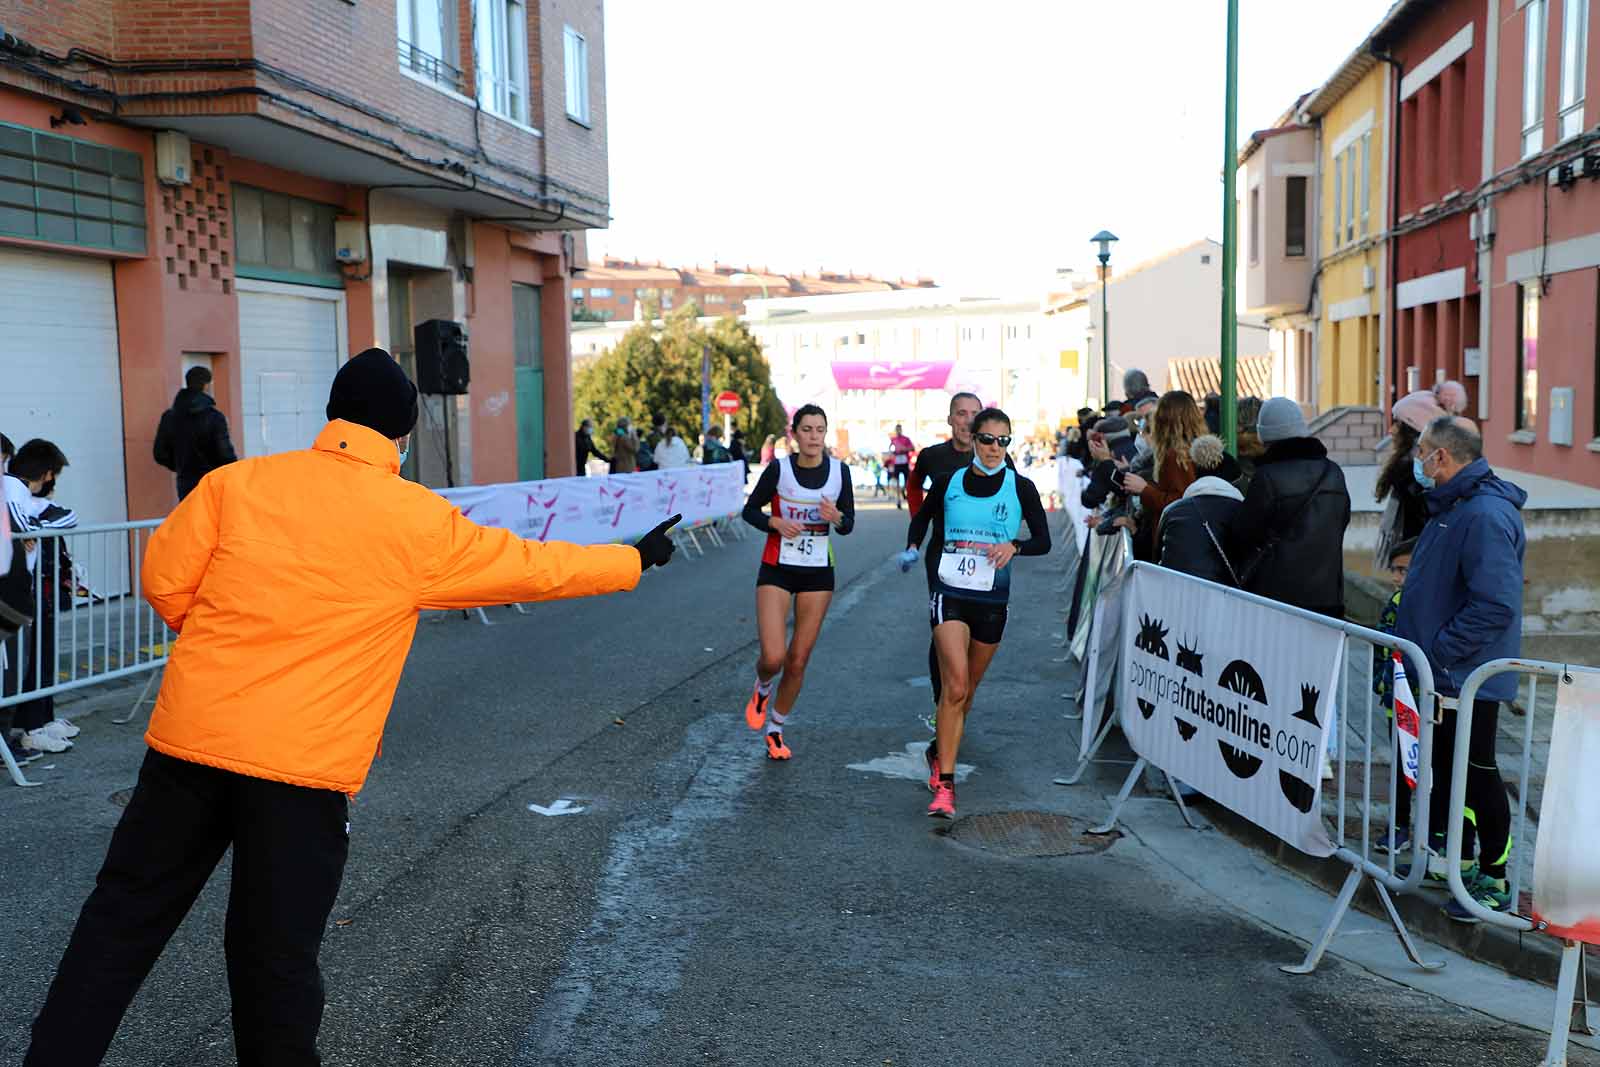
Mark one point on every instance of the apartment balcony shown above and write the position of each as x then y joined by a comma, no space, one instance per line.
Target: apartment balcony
1277,221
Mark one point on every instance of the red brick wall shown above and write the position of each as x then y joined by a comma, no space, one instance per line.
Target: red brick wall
574,155
350,51
57,25
182,29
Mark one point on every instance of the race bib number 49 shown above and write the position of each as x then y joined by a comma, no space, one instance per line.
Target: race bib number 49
808,550
966,569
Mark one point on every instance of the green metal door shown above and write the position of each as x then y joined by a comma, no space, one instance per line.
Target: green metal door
529,342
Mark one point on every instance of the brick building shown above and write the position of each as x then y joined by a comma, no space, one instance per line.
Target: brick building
617,288
1541,244
179,183
1435,289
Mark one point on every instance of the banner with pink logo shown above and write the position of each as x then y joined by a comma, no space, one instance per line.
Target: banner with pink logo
915,374
604,509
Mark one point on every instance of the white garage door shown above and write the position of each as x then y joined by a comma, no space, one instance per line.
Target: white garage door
59,374
290,345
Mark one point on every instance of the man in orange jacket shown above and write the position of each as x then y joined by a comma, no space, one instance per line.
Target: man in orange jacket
294,582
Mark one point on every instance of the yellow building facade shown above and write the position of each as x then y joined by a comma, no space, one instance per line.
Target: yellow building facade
1352,113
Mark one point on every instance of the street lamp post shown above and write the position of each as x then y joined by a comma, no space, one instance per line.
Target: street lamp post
1104,239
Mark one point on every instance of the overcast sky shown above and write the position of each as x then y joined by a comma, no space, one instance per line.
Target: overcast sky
973,143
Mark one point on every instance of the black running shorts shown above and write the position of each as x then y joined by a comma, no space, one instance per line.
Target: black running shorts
986,621
796,579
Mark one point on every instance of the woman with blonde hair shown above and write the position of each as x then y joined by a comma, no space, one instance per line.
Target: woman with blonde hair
1177,421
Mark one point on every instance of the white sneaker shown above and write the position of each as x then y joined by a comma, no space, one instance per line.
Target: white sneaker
60,728
45,742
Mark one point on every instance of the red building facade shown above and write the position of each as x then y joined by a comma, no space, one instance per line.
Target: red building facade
1544,411
1439,55
177,182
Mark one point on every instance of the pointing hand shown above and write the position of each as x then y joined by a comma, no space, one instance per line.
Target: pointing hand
655,548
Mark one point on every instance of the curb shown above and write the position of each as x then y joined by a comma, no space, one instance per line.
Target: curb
1535,957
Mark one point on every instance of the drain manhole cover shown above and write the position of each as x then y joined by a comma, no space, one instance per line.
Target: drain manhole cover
121,797
1028,833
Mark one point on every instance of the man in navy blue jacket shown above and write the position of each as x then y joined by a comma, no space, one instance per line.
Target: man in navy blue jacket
1462,603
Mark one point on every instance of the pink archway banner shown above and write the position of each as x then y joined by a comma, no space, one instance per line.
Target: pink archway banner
921,374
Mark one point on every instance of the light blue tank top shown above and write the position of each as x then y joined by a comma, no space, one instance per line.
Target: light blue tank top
969,523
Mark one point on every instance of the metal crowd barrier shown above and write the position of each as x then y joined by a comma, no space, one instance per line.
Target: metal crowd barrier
90,622
1364,834
1572,1002
92,625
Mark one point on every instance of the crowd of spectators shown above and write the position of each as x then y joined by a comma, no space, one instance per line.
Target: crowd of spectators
1271,519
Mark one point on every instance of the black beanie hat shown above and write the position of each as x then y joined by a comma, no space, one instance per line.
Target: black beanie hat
374,392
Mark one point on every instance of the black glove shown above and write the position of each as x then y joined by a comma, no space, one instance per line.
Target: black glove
656,548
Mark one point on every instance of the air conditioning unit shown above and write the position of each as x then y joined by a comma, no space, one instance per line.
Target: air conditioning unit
1369,277
172,158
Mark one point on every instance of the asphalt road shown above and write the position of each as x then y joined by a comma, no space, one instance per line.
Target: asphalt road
705,906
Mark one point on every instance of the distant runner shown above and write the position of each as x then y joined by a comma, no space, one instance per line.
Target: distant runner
811,498
981,510
900,449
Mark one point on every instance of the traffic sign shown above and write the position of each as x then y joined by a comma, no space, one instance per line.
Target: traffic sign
728,402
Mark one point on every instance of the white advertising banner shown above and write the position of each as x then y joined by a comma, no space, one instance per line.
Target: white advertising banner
1069,483
1566,865
1232,697
606,509
1102,663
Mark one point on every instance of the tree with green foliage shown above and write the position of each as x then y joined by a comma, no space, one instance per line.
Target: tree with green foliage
655,370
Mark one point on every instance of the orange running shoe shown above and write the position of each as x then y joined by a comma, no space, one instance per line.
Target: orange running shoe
944,802
755,712
776,749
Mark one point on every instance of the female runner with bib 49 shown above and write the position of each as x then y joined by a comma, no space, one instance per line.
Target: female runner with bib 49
981,509
810,496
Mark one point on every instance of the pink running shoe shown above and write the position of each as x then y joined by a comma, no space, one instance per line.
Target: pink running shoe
933,769
944,802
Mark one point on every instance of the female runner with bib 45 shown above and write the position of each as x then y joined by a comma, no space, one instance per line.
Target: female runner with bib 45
810,496
981,509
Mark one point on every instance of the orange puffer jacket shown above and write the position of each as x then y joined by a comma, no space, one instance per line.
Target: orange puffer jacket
294,582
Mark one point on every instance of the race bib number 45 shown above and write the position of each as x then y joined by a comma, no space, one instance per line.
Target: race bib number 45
810,549
966,569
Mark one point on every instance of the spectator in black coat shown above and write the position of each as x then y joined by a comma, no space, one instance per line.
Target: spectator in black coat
1110,440
585,447
1194,530
192,439
1287,538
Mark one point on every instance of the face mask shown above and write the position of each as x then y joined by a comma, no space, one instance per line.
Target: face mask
978,463
1417,473
404,452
